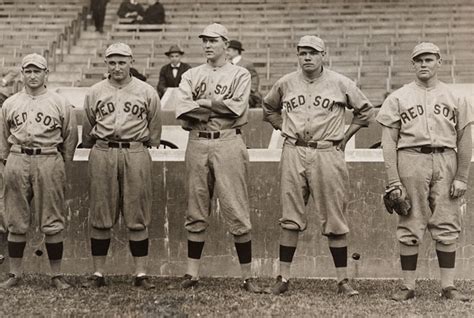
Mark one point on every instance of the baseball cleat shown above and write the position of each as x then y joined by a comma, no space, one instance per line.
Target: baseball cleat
404,293
94,281
279,287
11,281
251,286
189,282
143,281
59,283
344,288
454,294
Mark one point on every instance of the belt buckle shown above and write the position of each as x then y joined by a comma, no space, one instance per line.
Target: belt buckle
31,151
312,144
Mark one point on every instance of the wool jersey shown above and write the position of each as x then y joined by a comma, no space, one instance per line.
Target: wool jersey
314,110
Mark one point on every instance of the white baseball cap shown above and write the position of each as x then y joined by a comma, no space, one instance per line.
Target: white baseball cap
425,47
118,49
215,30
36,60
313,42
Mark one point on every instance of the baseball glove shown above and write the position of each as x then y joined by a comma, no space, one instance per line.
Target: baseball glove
396,199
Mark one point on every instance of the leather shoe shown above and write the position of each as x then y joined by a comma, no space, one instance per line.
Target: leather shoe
189,282
344,288
143,281
11,281
94,281
454,294
59,282
404,293
251,286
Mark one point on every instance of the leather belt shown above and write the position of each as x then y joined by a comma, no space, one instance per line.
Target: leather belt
426,149
315,144
114,144
214,134
31,151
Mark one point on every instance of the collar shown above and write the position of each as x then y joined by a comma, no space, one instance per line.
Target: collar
236,59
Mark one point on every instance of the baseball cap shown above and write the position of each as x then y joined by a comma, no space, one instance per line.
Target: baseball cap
425,47
118,49
312,42
215,30
34,59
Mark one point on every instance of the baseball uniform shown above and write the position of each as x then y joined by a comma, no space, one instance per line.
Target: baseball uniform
423,122
313,113
121,123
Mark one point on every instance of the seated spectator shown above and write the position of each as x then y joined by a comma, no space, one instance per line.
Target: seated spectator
131,9
154,14
170,74
234,53
8,78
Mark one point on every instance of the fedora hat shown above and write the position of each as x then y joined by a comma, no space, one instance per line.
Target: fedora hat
236,45
174,49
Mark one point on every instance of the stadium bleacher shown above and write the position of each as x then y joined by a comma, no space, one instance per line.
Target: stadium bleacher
368,41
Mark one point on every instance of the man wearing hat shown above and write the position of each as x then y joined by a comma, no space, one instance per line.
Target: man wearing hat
235,55
308,106
213,107
422,124
170,74
38,137
122,121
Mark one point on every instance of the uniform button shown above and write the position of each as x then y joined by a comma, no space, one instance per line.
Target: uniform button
307,119
307,132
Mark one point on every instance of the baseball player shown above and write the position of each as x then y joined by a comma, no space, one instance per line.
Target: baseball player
38,136
122,120
213,106
423,123
308,106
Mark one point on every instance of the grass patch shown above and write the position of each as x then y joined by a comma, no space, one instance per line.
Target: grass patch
224,297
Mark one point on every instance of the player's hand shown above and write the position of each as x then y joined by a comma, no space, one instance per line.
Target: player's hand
342,145
458,189
206,103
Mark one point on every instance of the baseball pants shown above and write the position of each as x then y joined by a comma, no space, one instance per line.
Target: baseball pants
428,178
120,182
218,165
317,173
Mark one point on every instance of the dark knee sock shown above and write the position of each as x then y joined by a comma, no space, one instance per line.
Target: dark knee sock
55,250
195,249
244,252
99,247
139,248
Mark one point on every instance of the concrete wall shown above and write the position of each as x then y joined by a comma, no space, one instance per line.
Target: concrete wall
372,229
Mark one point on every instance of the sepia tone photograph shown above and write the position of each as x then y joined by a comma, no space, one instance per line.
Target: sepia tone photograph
236,158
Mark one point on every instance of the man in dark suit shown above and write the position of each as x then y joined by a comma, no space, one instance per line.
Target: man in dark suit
154,14
170,74
234,53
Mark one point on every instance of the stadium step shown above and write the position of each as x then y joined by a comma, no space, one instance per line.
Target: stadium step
69,67
65,76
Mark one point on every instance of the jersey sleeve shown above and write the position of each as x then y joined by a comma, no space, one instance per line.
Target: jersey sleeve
154,119
362,108
239,101
389,114
69,133
88,122
4,134
465,113
187,108
272,106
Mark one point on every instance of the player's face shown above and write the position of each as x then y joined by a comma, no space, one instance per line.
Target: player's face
118,67
175,58
34,77
214,48
231,52
310,60
426,66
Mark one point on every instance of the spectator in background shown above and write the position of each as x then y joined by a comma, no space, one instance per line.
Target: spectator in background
234,53
9,76
131,9
170,74
154,14
135,73
98,14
